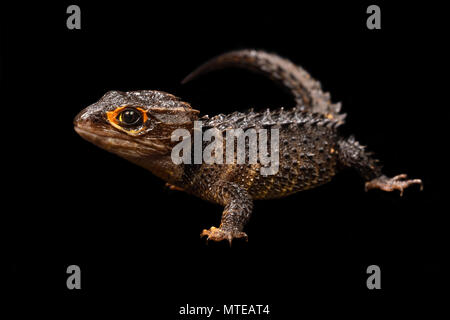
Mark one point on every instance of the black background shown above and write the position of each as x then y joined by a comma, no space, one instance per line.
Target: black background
137,243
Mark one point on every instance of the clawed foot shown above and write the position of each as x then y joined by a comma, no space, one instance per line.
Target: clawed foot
390,184
218,234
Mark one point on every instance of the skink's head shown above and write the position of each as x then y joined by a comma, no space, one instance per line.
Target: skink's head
134,124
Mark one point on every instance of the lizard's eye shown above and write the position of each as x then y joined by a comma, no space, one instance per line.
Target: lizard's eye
130,117
131,120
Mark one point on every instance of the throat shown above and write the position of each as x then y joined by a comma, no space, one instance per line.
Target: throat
162,167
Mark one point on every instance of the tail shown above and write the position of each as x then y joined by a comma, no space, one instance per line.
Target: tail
306,91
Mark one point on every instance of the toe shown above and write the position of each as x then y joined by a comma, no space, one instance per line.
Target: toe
400,176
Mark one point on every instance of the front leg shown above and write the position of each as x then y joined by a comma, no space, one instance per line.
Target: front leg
238,208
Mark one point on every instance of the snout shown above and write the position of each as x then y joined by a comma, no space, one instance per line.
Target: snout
89,119
86,124
80,119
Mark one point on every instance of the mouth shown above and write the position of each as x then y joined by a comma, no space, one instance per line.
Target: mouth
117,142
91,134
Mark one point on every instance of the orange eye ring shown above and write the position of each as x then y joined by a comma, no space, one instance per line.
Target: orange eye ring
113,119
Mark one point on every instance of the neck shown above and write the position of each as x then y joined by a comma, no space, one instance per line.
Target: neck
162,167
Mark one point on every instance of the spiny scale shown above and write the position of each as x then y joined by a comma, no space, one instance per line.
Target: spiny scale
270,118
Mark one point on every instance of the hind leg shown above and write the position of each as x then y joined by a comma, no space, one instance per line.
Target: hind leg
352,154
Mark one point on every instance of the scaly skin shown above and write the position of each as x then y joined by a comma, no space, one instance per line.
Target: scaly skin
311,151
